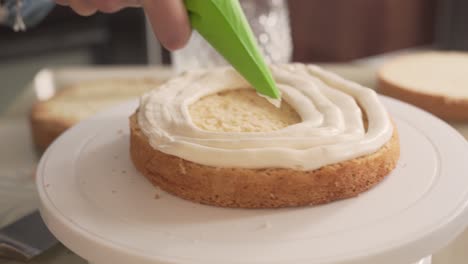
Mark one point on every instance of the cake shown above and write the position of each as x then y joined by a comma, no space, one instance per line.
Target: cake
207,137
50,118
434,81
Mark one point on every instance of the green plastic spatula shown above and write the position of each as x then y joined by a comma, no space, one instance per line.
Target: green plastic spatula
223,24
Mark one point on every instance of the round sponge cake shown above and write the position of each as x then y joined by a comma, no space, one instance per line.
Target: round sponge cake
242,110
50,118
435,81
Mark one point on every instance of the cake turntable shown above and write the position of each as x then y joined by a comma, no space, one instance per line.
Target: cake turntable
100,207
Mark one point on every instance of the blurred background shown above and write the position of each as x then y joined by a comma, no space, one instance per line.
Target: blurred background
350,37
321,31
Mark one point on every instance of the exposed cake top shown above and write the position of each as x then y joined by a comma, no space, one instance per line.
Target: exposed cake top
320,123
437,73
82,100
241,110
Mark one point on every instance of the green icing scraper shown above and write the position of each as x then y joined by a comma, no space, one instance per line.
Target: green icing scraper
223,24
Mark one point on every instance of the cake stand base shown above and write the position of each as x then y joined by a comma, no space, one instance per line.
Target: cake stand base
96,203
426,260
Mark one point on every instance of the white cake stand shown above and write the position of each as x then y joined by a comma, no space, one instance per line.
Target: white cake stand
100,207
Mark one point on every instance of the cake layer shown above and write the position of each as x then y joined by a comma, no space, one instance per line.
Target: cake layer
339,120
52,117
260,188
432,73
434,81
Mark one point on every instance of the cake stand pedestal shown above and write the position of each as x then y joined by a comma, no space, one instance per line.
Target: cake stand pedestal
99,206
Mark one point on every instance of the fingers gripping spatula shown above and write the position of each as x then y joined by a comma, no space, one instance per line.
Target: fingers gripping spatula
223,24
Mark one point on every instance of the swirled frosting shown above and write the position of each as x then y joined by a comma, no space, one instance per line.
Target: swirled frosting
332,129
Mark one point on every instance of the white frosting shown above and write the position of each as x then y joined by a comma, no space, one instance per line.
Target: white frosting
331,131
275,102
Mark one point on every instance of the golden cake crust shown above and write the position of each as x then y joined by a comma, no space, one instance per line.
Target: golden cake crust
260,188
430,80
50,118
45,128
441,106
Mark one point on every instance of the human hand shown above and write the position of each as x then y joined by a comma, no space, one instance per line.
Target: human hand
168,18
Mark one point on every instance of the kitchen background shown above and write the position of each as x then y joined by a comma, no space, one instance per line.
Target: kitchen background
322,31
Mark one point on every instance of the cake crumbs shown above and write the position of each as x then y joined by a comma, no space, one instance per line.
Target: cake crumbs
124,171
182,168
157,196
116,156
114,191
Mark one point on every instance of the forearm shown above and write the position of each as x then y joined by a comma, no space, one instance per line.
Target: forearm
32,11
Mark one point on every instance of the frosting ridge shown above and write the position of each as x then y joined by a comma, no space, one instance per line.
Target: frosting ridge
331,108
